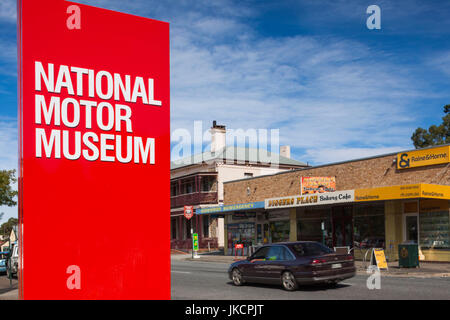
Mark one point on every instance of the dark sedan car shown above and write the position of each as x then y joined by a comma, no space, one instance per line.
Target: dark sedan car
293,263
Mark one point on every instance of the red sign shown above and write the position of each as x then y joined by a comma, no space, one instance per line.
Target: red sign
188,212
239,246
94,153
310,185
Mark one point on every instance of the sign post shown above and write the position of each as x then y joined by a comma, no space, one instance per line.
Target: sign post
378,258
94,152
188,214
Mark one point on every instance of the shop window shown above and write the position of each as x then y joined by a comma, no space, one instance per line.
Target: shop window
240,233
434,224
173,226
205,224
309,226
368,225
279,231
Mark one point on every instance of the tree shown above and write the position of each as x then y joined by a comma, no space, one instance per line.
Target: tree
5,229
435,135
7,194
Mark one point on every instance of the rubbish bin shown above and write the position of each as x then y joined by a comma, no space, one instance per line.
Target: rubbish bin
408,255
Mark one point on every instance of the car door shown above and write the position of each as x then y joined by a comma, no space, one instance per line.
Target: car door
250,270
274,264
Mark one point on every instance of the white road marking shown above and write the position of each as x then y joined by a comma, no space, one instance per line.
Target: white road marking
187,272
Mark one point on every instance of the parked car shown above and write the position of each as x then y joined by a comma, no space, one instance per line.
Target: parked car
13,261
3,258
293,263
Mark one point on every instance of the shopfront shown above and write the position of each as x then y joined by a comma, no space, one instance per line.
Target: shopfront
377,202
255,228
241,224
358,219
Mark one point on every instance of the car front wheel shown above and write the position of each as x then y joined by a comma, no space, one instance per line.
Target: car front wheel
236,275
288,281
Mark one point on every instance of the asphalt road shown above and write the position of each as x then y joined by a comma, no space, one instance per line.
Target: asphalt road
209,280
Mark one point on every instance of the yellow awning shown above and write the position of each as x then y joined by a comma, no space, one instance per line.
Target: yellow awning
410,191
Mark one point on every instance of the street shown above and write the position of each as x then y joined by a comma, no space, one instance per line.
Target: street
209,280
8,292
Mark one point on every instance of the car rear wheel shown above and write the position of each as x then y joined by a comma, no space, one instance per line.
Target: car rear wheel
236,275
288,281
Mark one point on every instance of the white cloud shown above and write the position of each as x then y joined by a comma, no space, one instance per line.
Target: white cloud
8,143
9,212
441,62
8,52
8,10
320,92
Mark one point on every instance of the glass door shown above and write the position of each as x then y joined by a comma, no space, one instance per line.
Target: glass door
411,228
342,226
262,233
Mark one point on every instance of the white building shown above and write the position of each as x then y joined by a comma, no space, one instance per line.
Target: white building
198,181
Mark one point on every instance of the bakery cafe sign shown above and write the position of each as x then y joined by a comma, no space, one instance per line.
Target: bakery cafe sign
310,200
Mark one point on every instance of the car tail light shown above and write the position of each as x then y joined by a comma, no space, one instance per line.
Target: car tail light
350,257
317,261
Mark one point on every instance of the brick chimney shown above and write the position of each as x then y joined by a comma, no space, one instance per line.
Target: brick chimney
218,137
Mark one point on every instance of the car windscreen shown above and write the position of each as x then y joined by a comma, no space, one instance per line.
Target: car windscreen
310,249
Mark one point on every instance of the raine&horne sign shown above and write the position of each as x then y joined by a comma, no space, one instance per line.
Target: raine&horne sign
425,157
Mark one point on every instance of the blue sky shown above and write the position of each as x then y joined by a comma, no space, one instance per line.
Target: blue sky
310,68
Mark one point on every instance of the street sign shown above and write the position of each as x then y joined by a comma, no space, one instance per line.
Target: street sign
378,258
195,241
94,152
188,212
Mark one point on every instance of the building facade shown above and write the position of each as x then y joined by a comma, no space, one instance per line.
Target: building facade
198,181
13,236
380,201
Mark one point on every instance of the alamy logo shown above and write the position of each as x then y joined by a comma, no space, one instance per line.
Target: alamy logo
74,20
374,280
74,280
374,20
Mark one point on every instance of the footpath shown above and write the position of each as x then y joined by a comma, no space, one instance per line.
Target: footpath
8,292
425,270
